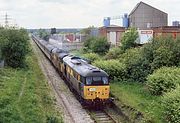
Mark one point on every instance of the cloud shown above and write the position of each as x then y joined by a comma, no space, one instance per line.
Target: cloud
79,13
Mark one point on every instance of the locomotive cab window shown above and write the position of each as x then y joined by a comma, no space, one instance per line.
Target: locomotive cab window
105,80
88,80
97,80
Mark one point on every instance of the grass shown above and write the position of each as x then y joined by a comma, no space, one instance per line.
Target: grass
25,97
136,96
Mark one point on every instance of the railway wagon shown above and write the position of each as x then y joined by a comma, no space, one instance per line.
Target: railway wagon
90,83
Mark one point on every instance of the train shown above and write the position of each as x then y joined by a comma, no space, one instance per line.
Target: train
91,84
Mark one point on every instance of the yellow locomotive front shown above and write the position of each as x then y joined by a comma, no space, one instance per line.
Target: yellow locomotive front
96,90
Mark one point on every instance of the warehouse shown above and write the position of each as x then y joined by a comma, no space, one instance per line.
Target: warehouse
144,16
166,31
112,33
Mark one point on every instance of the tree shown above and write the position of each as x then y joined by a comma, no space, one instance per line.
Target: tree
43,34
15,46
87,31
129,39
98,45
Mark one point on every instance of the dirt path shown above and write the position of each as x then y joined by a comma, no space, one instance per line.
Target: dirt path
66,102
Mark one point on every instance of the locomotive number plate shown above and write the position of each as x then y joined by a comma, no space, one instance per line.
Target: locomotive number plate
92,89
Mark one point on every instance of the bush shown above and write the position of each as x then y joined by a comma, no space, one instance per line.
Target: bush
114,68
162,52
129,39
171,104
162,57
97,45
92,56
114,53
137,68
15,46
163,80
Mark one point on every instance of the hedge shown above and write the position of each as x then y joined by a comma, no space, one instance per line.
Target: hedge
92,56
163,80
137,68
114,68
171,104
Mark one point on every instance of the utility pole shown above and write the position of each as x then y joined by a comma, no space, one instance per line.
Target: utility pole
6,19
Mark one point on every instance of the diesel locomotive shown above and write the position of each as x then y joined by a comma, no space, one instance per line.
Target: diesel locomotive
90,83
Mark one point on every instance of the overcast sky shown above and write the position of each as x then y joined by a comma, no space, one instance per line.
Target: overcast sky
76,13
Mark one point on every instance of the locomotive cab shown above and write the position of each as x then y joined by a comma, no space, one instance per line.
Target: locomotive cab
96,89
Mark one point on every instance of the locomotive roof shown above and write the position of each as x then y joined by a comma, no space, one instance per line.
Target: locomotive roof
62,55
82,67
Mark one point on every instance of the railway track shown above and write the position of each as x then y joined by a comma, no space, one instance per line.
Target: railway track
75,113
101,116
67,103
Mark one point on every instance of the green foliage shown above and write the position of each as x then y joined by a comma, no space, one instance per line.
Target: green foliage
43,34
52,119
129,39
171,104
25,95
114,68
162,57
133,98
87,44
87,31
15,46
163,80
162,52
114,53
136,67
98,45
92,56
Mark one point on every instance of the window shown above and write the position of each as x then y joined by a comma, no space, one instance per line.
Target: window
105,80
82,79
88,80
96,79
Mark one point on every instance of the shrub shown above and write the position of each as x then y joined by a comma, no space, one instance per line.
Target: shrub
98,45
129,39
137,68
114,68
15,46
163,80
92,56
162,52
114,53
171,104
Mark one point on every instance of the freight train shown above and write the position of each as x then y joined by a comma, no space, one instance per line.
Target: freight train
90,83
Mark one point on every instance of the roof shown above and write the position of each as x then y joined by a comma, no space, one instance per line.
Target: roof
82,67
62,55
136,7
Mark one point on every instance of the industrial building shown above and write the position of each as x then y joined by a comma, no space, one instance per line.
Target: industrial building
144,16
112,33
166,31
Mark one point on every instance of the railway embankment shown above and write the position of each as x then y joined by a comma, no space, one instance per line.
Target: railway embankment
25,96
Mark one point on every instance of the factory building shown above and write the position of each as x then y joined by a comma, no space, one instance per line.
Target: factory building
144,16
166,31
112,33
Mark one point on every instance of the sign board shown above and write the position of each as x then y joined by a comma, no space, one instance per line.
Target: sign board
145,36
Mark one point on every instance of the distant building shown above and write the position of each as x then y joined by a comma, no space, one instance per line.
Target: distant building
144,16
175,23
112,33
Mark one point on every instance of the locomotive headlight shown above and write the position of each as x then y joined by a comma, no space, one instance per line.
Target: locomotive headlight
92,89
